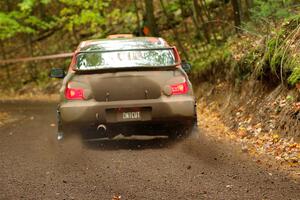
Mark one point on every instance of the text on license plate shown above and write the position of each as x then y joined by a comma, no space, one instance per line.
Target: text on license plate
131,115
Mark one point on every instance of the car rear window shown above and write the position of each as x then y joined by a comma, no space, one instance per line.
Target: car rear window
125,59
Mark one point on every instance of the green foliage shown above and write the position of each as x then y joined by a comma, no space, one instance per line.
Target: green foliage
172,6
295,76
208,59
77,20
275,57
23,21
9,26
271,9
83,13
93,17
279,55
284,52
27,5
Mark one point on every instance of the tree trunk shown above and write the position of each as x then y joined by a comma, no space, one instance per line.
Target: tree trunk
42,12
184,13
6,66
223,18
237,15
32,66
195,22
150,18
200,17
180,46
209,27
249,5
8,5
139,32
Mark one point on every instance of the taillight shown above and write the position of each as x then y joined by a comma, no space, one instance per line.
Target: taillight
181,88
74,93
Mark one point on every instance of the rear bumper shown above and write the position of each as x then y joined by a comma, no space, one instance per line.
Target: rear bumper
175,108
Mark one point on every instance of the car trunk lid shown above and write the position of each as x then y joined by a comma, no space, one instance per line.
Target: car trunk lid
133,85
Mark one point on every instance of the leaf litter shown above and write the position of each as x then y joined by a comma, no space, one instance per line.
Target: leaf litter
254,140
4,118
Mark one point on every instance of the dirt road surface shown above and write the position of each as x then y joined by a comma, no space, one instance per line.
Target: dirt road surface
33,165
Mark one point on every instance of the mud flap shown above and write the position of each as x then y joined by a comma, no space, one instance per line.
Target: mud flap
196,115
60,134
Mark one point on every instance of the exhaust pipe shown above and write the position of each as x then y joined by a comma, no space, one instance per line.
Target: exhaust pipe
101,128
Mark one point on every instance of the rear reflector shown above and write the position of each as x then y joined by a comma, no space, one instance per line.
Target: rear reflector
74,94
181,88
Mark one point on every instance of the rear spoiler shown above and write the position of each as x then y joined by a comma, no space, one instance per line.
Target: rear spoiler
70,55
176,54
117,50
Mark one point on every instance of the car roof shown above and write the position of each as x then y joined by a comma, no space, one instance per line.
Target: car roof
123,43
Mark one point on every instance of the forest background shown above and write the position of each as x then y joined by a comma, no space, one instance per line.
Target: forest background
239,38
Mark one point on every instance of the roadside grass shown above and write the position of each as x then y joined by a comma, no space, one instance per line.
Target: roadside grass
275,55
211,57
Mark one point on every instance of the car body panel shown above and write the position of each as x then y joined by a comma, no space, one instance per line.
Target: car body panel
163,108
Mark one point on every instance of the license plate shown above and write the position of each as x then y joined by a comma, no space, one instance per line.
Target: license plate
128,114
131,115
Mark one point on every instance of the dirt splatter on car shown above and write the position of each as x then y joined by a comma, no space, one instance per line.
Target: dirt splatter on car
126,86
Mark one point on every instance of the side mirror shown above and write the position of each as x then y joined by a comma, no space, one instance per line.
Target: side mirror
187,67
57,73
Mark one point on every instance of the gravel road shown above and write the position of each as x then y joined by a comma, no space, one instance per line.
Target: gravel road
33,165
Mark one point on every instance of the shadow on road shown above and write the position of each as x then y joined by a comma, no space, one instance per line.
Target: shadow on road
132,143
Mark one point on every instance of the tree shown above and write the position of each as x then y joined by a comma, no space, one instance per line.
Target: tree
236,14
200,17
138,21
175,33
184,12
150,18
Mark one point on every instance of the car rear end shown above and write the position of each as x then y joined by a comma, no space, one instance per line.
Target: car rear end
147,100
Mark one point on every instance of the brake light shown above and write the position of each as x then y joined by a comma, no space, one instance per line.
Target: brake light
74,93
181,88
